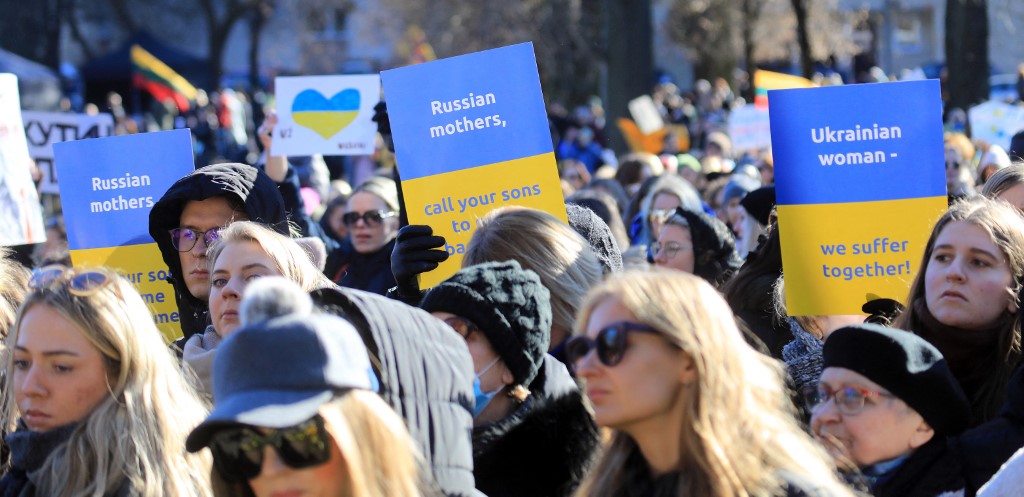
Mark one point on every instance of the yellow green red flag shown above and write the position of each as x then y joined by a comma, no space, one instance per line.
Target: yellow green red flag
769,80
152,75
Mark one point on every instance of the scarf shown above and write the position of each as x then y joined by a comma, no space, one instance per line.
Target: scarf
29,450
198,355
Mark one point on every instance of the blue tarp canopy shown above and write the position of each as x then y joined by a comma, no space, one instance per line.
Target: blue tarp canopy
39,87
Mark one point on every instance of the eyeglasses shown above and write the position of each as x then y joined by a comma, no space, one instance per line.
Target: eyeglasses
79,282
670,248
238,452
370,218
849,400
462,326
184,239
610,343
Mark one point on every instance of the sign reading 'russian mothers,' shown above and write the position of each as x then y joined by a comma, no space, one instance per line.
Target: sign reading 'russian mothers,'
471,135
107,188
860,181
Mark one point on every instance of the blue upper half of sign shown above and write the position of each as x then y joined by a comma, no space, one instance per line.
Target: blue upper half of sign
858,143
108,185
467,111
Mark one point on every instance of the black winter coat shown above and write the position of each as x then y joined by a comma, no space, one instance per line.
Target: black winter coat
988,446
934,469
425,373
241,182
544,448
367,272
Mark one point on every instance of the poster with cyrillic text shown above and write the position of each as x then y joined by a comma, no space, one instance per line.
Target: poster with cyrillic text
860,181
43,129
471,135
21,215
107,188
328,115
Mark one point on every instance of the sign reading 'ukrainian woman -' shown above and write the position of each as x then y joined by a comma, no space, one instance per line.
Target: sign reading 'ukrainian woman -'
471,135
860,181
107,188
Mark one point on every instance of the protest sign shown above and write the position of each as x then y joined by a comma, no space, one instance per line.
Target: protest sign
471,134
21,215
43,129
860,181
646,115
749,128
107,188
329,115
996,122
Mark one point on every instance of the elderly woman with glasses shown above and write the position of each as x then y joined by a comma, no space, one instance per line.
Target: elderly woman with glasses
696,243
95,403
884,407
692,409
363,261
532,434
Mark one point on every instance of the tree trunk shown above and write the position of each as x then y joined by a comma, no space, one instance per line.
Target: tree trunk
803,37
966,52
630,60
256,23
750,13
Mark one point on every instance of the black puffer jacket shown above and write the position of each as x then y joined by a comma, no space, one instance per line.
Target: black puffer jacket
544,448
367,272
242,182
425,373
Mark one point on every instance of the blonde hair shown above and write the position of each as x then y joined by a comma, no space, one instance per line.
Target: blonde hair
136,435
740,434
379,455
567,266
291,260
1004,179
13,286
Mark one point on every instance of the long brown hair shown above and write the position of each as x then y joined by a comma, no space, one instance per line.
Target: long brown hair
740,434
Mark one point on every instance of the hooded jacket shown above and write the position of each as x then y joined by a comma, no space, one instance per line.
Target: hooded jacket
545,447
240,182
425,374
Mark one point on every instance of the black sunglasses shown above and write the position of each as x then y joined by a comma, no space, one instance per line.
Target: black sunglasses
371,218
610,343
238,452
184,239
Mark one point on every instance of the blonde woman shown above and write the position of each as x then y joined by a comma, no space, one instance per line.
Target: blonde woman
295,412
242,253
694,410
542,243
95,399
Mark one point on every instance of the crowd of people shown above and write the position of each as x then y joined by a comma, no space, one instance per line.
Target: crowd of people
641,349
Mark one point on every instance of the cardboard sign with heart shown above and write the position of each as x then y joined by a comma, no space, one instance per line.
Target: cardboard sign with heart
312,110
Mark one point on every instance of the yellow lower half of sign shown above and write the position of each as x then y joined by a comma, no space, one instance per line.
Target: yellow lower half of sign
143,266
836,257
452,203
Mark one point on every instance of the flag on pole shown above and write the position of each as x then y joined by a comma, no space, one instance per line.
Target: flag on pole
768,80
152,75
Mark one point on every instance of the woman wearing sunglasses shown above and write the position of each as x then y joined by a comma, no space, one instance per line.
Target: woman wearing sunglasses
884,407
94,398
313,428
532,434
363,261
693,409
243,252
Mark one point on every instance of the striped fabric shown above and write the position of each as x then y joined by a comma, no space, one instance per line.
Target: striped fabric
152,75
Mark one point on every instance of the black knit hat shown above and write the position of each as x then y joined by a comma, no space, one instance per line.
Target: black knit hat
907,366
759,203
597,234
509,305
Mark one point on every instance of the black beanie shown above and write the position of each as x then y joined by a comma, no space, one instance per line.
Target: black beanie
714,248
509,305
907,366
598,235
759,203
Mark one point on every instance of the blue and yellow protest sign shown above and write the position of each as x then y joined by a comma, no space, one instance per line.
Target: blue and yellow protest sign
471,134
107,188
860,182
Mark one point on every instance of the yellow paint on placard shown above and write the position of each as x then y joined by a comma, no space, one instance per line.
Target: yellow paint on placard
143,266
836,256
451,203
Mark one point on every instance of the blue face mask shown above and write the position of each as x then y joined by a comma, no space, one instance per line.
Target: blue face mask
482,398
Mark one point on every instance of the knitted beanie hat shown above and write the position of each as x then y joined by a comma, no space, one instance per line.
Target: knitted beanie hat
597,234
509,305
906,365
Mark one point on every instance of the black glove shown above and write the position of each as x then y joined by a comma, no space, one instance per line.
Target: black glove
380,116
416,251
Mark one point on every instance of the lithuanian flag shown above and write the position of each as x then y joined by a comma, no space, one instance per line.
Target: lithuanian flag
152,75
768,80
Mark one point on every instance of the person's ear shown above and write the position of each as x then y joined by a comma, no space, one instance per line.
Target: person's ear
687,369
922,434
1013,307
506,376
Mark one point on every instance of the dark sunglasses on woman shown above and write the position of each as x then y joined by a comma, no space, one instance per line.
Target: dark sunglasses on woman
371,218
610,343
238,452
